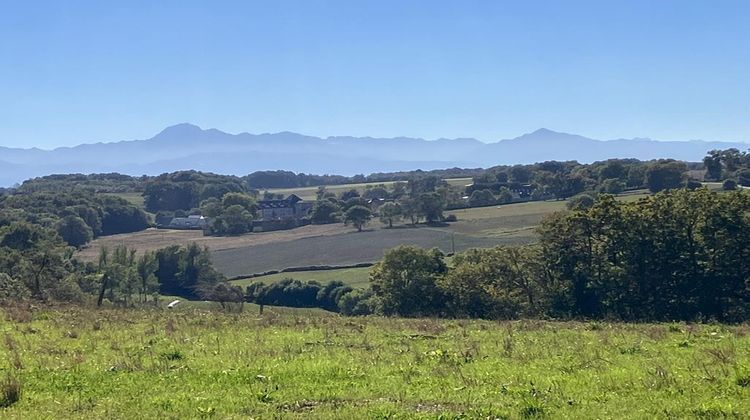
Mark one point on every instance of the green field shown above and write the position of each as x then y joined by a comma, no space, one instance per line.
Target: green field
134,198
355,277
190,362
308,193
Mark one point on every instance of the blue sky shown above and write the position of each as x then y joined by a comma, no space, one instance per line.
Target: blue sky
75,71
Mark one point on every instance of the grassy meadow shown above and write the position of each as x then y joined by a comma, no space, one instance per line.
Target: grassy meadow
193,362
135,198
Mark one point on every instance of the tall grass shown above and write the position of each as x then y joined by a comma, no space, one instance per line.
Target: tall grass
10,390
194,362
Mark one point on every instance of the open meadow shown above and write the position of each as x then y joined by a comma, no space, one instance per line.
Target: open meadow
193,362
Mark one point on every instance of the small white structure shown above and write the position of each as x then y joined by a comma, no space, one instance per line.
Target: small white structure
173,303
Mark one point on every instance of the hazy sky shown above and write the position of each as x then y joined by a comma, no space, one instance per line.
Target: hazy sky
74,71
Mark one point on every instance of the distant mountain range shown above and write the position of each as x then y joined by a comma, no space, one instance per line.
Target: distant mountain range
186,146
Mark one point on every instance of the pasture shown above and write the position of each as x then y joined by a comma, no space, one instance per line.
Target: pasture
134,198
193,362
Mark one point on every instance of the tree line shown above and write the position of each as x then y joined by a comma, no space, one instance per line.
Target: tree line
731,166
35,263
677,255
185,190
77,217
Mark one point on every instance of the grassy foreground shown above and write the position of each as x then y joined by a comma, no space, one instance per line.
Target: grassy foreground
193,363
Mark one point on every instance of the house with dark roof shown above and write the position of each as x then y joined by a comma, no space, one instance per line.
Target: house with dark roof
291,207
286,213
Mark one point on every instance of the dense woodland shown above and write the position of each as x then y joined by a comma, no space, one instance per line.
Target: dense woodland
680,254
76,216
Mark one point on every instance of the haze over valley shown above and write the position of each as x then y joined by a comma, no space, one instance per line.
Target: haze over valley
186,146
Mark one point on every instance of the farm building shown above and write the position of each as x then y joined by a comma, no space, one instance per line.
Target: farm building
196,222
291,207
286,213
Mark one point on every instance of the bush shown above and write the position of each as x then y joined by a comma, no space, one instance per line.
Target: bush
10,391
357,303
234,220
324,212
12,290
481,198
729,185
74,231
420,295
121,217
505,196
580,202
612,186
451,218
296,294
67,290
743,177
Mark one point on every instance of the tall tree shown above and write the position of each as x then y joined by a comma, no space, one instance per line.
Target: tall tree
358,216
665,175
431,206
390,212
406,281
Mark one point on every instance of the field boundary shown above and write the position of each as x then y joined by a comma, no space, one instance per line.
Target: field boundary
302,268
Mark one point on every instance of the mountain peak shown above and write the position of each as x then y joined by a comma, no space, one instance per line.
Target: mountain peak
179,132
543,132
182,128
546,135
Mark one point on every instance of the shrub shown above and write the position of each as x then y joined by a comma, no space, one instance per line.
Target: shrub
324,212
173,355
729,185
743,177
505,196
357,303
612,186
74,231
580,202
482,198
12,290
10,391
